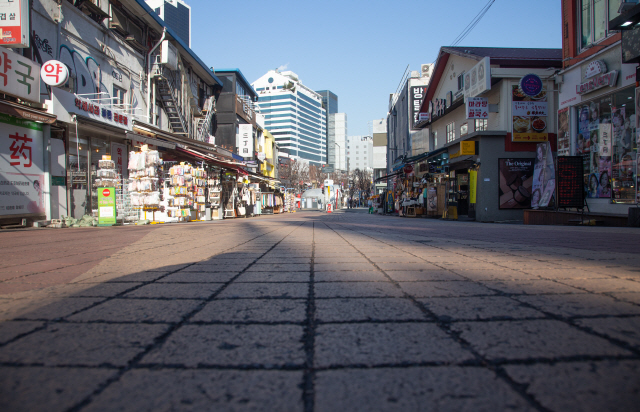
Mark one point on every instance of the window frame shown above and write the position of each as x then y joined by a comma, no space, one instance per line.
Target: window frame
451,132
592,23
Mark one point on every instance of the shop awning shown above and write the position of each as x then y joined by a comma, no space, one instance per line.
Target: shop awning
209,158
150,140
26,112
388,176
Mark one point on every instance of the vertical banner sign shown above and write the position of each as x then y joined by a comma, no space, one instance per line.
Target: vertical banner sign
14,23
417,94
516,179
564,138
119,156
244,140
473,182
106,206
21,167
544,176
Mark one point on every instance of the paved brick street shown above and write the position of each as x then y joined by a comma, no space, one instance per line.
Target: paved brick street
317,312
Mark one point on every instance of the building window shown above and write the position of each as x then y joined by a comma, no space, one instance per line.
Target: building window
593,17
119,96
461,81
451,132
435,139
481,125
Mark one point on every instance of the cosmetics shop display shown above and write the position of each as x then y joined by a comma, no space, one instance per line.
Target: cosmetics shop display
145,171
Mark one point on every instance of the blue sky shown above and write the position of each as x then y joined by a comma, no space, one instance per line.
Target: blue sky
359,49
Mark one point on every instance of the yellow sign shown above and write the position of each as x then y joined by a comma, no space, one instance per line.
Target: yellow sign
473,181
530,137
467,148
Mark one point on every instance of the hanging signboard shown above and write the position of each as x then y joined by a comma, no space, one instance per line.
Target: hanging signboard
106,206
19,75
244,140
477,108
14,23
54,73
21,167
478,79
417,94
570,182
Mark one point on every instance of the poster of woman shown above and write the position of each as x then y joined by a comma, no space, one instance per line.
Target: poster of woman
583,130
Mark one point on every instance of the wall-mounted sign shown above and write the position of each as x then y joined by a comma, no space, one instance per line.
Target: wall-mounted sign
478,79
531,85
244,140
54,73
477,108
516,179
417,94
595,68
424,116
14,23
529,116
598,82
19,75
21,167
65,104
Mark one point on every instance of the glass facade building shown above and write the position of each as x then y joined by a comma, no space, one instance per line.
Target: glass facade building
294,115
176,14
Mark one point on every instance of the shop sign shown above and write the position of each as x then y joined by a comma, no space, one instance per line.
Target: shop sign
595,68
65,104
467,148
14,23
54,73
477,108
262,156
478,79
437,107
106,206
21,167
598,82
424,116
531,85
119,156
19,75
516,179
407,169
417,94
529,116
570,182
244,140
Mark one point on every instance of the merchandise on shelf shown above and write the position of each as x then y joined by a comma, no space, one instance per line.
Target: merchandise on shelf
144,184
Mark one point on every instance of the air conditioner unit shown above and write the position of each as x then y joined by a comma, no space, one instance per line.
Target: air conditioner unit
169,55
118,21
135,37
426,69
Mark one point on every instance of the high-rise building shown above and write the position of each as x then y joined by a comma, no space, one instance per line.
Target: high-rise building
329,101
294,115
360,152
177,16
336,140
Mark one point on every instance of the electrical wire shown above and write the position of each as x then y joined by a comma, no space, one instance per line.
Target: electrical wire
472,24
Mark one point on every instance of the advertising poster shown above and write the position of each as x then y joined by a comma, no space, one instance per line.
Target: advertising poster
432,199
529,115
516,180
106,206
583,130
564,138
544,176
21,167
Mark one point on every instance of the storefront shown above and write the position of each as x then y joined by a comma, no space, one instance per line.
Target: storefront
598,120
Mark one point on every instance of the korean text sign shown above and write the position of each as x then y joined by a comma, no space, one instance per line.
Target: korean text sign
106,206
21,167
477,108
19,76
14,23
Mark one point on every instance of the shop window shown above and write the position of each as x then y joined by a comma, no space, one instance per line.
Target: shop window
481,125
606,127
451,132
593,17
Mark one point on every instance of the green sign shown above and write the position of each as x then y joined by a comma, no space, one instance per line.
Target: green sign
106,206
57,181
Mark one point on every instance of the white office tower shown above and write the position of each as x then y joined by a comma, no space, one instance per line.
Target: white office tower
176,15
360,152
337,141
294,115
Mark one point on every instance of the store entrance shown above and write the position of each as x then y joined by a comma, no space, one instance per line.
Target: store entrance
463,193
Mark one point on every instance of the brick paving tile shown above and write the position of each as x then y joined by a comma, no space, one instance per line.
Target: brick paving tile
314,312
